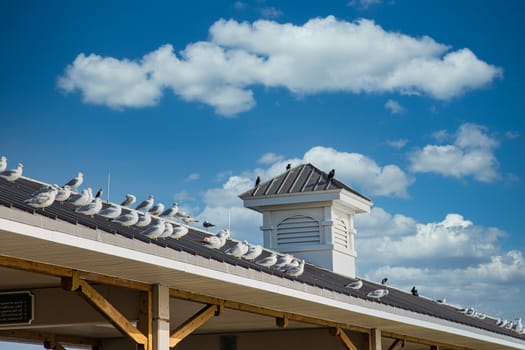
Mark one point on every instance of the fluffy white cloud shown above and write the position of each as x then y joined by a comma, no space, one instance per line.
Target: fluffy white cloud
269,158
397,143
323,54
394,107
471,154
363,4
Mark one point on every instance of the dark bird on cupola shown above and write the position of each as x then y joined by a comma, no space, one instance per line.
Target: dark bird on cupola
257,181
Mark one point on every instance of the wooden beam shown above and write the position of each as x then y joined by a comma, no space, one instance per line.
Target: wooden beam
234,305
423,341
193,323
145,324
397,344
102,305
343,337
60,271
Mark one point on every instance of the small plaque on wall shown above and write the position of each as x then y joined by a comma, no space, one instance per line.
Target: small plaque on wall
16,308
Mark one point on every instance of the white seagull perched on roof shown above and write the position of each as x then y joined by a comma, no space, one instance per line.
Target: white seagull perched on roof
146,204
144,220
111,211
357,284
75,182
238,250
91,208
179,231
518,326
63,193
83,198
283,260
254,250
42,198
296,271
170,212
189,220
3,163
13,174
155,230
130,199
215,242
168,230
224,233
267,261
128,219
378,294
292,264
156,209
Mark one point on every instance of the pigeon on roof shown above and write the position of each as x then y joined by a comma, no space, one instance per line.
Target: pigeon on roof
155,230
75,182
384,280
207,224
414,291
111,211
157,209
179,231
3,163
171,211
267,261
378,294
91,208
130,199
254,250
144,220
63,193
296,271
82,198
146,204
357,284
43,198
13,174
238,250
288,166
128,219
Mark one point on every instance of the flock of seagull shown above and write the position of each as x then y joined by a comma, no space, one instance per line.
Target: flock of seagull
160,222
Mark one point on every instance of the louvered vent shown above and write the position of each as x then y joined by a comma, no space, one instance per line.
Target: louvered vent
298,229
341,236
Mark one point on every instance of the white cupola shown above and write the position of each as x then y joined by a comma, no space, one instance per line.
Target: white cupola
309,213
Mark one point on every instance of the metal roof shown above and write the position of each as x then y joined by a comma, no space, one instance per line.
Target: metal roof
304,178
12,195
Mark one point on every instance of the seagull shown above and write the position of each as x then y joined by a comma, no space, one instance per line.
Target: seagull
378,294
214,242
257,181
128,219
111,211
42,189
42,198
99,193
291,264
253,252
82,198
157,209
130,199
179,231
168,230
414,291
283,260
518,326
90,209
384,280
238,250
207,224
267,261
296,271
13,174
146,204
75,182
181,215
63,193
170,212
503,323
189,220
144,220
357,284
155,230
224,233
442,301
3,163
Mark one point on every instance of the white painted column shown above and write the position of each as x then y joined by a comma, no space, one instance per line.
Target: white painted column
375,339
161,317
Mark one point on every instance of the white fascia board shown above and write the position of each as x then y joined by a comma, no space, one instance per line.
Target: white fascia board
150,259
355,202
292,198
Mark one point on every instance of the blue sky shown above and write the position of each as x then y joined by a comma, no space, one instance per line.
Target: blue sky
417,105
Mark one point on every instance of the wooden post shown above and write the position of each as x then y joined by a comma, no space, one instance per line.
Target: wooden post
161,317
145,324
375,339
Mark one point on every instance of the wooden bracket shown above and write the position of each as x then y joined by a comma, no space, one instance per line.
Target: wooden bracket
281,322
397,344
194,322
343,337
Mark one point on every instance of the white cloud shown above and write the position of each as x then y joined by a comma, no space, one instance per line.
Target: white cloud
192,177
394,107
471,154
363,4
271,12
511,135
397,143
269,158
306,59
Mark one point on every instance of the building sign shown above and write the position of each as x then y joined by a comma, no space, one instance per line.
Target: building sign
16,308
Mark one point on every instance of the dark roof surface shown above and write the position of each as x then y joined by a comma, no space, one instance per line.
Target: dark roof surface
301,179
14,194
